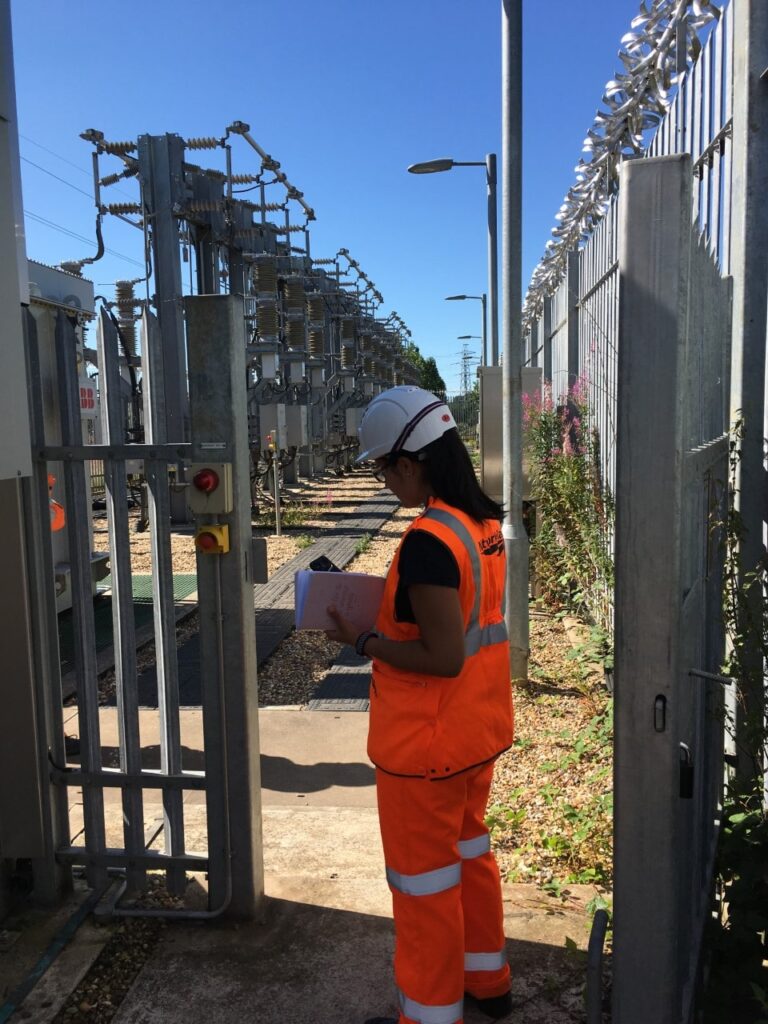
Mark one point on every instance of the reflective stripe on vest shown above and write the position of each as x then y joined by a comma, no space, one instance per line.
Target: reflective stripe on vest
455,524
427,883
484,636
469,848
475,636
448,1014
485,961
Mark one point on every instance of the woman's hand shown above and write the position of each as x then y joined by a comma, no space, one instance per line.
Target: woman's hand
346,632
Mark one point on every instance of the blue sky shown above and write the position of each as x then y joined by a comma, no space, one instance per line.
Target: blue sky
345,94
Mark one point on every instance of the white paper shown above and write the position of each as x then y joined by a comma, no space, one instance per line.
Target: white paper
356,595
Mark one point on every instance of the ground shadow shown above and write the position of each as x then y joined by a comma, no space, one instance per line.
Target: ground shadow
279,774
307,963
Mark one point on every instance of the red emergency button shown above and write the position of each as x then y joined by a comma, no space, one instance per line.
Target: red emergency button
213,539
206,480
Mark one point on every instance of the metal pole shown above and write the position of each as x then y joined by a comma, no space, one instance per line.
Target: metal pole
485,327
276,489
493,253
515,539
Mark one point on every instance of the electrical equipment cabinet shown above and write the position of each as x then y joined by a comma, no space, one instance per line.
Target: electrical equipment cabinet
491,434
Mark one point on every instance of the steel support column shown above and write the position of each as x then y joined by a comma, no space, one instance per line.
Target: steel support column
161,170
217,379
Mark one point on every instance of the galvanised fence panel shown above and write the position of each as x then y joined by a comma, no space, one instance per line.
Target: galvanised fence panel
700,122
599,336
558,338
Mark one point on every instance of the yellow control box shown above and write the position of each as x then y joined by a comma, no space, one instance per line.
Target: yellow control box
212,539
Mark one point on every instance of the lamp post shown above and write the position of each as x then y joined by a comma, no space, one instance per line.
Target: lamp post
480,298
515,539
447,164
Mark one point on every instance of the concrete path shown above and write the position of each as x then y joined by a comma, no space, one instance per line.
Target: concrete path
323,951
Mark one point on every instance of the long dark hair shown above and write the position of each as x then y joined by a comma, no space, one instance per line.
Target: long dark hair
449,471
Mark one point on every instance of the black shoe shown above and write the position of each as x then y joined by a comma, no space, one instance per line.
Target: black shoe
382,1020
494,1006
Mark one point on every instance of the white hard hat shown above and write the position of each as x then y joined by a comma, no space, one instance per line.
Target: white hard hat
404,418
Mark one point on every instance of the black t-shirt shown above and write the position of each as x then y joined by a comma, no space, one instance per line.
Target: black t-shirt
423,559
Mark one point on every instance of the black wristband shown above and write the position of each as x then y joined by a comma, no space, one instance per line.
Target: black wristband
362,640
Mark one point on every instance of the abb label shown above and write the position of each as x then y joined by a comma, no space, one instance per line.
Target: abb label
87,400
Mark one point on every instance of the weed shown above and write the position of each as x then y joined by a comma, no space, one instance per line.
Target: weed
501,817
363,544
304,541
571,552
291,515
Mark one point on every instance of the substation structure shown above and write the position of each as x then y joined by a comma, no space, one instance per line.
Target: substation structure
317,349
237,356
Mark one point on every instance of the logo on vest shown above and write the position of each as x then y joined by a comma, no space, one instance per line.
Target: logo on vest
493,545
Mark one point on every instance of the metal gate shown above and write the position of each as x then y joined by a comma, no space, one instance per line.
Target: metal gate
217,375
672,465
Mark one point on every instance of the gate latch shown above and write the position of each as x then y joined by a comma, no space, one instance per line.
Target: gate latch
715,677
660,713
686,772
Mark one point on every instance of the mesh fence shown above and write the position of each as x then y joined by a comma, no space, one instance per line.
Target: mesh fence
466,411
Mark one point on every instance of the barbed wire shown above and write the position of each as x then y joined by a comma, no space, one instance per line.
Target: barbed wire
663,39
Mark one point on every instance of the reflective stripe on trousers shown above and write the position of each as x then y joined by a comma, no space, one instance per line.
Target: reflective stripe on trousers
427,883
485,961
469,849
476,847
430,1014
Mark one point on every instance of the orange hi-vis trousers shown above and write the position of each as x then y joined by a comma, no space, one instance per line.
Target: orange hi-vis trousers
446,893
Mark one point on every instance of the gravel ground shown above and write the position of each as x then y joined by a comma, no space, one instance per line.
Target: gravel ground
551,802
294,671
311,505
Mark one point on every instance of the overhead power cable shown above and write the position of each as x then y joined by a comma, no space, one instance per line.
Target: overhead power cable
88,195
80,238
58,156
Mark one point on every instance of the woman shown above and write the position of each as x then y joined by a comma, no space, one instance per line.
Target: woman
441,712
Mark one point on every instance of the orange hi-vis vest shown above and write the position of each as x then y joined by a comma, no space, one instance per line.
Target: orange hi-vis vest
435,726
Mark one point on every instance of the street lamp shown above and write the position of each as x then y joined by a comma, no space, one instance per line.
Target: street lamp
480,298
515,539
447,164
